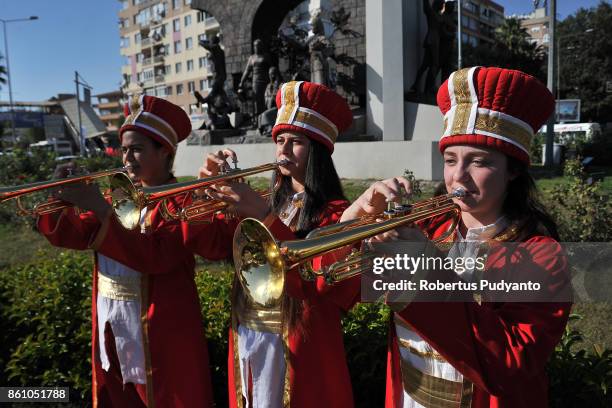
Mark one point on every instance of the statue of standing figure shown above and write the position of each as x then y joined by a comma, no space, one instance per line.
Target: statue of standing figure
320,49
258,65
268,117
219,105
436,13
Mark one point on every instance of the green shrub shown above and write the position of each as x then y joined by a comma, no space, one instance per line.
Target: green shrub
214,282
366,328
46,336
45,324
582,211
579,378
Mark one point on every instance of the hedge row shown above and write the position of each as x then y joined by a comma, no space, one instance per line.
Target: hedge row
45,336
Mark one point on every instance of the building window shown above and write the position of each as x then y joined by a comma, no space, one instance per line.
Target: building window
471,7
168,69
188,43
178,67
139,57
191,86
176,25
545,38
125,42
168,90
202,62
203,84
176,4
147,75
202,37
177,47
202,16
189,65
187,2
187,20
179,89
137,38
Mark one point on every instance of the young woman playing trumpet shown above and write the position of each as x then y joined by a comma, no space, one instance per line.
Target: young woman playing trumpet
288,353
148,345
487,352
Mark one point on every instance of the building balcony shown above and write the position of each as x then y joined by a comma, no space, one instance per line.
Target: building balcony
109,105
145,42
159,79
110,117
146,62
159,59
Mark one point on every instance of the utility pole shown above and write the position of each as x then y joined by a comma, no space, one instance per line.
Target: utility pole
552,50
78,80
459,61
8,70
80,128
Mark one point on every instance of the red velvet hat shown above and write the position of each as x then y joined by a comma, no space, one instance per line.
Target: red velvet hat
493,107
156,118
313,110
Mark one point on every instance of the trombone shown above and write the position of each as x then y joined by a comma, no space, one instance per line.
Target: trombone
261,262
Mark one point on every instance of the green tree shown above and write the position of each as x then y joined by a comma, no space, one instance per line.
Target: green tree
585,63
511,48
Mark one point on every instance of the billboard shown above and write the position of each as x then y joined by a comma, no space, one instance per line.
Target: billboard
25,120
568,110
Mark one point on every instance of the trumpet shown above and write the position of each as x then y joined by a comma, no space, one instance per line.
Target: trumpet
128,201
261,262
202,208
117,176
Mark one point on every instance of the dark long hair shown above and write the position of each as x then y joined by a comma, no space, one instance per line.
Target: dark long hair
322,185
522,204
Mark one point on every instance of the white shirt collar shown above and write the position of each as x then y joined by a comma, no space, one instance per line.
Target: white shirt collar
484,232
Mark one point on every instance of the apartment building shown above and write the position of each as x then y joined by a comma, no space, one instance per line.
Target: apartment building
110,109
159,41
536,25
479,19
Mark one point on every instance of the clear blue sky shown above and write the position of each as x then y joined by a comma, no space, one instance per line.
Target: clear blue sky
83,35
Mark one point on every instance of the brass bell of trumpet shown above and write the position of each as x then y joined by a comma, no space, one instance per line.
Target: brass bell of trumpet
118,179
261,262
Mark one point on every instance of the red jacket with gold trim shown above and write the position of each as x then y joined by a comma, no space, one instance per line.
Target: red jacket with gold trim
318,373
502,348
177,370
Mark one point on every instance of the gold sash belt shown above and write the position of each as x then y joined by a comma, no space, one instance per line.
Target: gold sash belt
258,318
434,392
119,287
428,390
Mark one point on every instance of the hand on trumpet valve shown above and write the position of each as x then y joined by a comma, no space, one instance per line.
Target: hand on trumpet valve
64,170
85,196
377,197
243,200
216,163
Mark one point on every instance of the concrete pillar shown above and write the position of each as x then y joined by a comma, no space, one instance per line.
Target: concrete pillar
385,69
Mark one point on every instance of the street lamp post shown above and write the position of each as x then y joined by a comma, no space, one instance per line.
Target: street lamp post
8,69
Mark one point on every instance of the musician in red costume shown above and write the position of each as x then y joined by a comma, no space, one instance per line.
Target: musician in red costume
148,346
290,354
480,353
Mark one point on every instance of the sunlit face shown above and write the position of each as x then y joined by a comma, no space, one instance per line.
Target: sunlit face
482,172
146,161
293,147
